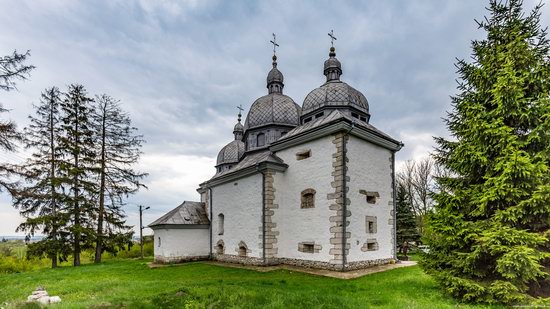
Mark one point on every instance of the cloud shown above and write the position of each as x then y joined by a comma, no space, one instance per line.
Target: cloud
180,68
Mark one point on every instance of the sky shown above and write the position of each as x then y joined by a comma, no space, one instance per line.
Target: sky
180,68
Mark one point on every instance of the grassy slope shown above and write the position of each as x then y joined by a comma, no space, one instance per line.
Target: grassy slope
130,283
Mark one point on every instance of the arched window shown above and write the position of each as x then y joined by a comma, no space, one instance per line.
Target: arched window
308,198
243,249
260,140
158,245
220,247
221,218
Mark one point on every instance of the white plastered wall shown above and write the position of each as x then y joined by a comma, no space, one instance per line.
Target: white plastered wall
240,201
369,169
297,225
180,243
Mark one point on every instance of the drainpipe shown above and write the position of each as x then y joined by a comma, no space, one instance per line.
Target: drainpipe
394,196
344,196
211,220
263,213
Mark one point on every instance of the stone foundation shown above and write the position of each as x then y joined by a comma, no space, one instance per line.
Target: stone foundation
245,260
179,259
254,261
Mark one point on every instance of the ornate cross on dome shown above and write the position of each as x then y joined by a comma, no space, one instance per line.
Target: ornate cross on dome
274,42
332,37
240,108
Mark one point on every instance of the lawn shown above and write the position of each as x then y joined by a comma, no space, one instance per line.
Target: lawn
131,284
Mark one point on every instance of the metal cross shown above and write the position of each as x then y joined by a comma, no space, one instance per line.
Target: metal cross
332,37
240,107
274,42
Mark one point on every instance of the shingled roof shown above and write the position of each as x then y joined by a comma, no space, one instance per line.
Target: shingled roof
188,213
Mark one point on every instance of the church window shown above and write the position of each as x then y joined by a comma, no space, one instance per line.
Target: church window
355,115
371,224
319,115
303,155
158,245
243,249
283,133
308,198
308,248
372,245
363,118
372,196
220,248
260,140
308,119
221,218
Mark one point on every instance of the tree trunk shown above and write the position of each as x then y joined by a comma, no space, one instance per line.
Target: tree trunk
52,176
99,243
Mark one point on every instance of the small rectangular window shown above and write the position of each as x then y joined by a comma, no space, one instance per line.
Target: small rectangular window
308,119
364,119
320,115
354,115
303,155
371,225
309,248
372,246
372,196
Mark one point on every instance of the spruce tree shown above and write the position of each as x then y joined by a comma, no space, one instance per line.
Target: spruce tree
406,223
489,233
40,198
77,168
119,150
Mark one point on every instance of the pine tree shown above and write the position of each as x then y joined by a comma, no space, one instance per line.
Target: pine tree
77,169
489,234
11,68
119,149
406,223
39,201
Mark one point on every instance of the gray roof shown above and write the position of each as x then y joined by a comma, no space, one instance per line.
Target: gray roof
231,152
274,108
186,213
251,160
335,93
333,116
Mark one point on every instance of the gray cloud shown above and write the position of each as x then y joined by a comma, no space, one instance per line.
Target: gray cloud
181,67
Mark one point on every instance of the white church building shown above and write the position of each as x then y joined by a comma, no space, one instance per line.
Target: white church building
308,185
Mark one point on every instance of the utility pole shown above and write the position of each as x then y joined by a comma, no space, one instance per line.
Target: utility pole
141,209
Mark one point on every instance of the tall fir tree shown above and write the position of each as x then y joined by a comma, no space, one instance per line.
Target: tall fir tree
77,168
38,200
119,150
406,228
489,234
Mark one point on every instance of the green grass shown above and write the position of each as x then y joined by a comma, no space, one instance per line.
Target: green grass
131,284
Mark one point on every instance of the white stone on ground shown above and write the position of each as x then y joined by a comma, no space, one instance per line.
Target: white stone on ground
41,296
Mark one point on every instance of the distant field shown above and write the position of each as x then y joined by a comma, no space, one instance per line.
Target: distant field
131,284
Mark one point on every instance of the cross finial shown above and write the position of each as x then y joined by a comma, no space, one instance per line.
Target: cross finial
332,37
274,42
240,108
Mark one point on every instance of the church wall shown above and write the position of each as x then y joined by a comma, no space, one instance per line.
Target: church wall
369,169
298,226
240,202
178,245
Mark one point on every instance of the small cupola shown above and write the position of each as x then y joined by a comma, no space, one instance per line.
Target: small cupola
333,67
238,130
